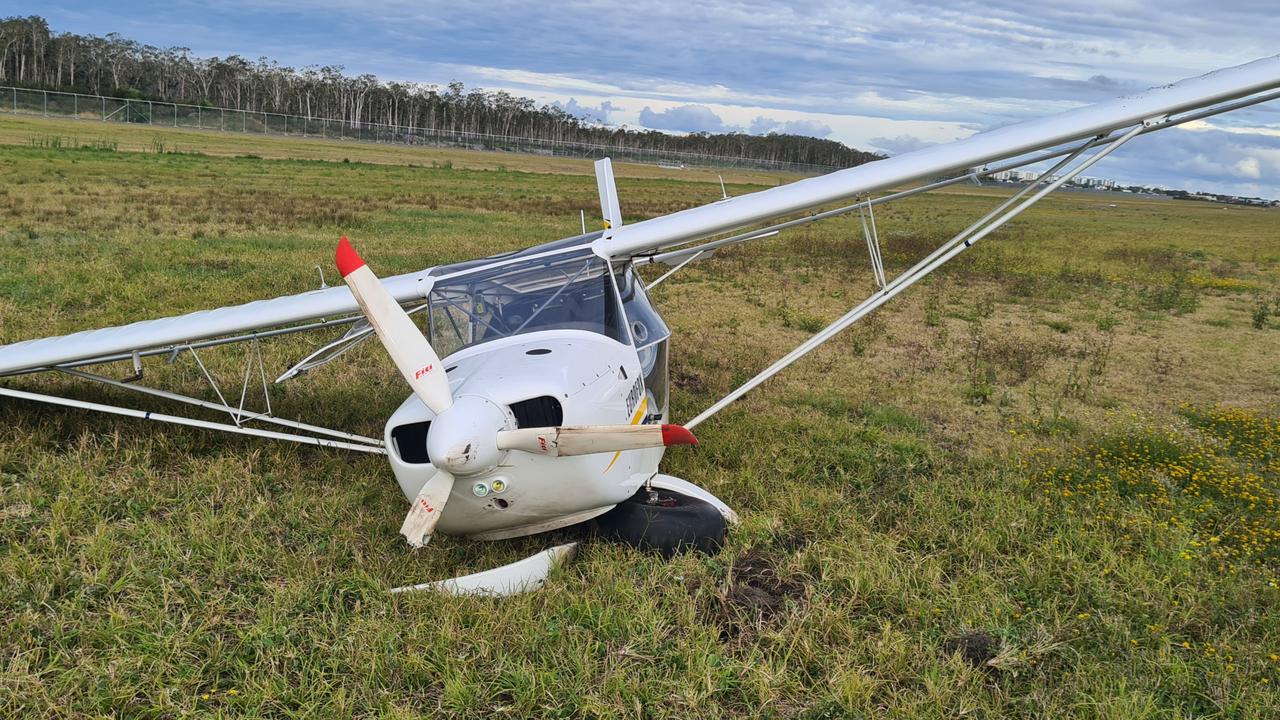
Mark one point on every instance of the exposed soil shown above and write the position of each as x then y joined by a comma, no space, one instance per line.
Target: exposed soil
975,646
685,379
754,596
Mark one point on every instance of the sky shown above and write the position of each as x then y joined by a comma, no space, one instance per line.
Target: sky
889,77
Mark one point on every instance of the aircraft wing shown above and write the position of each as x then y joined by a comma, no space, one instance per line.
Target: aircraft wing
119,342
1095,120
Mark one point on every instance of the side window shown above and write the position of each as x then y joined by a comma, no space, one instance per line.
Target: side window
653,362
651,335
646,325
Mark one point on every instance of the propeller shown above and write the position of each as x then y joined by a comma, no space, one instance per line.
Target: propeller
586,439
459,441
409,350
418,362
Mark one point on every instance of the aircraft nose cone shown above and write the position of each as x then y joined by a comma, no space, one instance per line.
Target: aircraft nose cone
464,438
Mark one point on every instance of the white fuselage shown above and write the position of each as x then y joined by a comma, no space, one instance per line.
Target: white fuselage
594,379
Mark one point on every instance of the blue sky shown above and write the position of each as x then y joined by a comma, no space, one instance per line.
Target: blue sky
881,76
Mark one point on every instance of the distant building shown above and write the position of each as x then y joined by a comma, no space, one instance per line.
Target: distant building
1015,176
1096,182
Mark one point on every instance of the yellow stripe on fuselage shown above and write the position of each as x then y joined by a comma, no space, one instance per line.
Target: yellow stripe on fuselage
644,405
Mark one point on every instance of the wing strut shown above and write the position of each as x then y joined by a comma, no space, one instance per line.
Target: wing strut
989,223
239,416
873,243
238,413
191,422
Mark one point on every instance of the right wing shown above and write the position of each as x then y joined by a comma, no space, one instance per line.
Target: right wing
656,234
175,332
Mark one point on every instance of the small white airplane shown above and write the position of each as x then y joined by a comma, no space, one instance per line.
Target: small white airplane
549,406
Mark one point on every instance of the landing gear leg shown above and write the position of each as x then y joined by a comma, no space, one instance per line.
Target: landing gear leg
669,515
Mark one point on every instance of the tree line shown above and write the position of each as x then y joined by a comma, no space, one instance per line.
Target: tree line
33,55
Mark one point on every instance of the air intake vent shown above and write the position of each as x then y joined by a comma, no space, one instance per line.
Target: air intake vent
542,411
411,442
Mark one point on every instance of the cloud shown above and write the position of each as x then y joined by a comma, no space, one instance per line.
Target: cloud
684,118
591,113
812,128
1202,160
900,144
700,118
762,125
1249,168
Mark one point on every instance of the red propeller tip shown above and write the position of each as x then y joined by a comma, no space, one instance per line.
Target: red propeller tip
677,435
348,259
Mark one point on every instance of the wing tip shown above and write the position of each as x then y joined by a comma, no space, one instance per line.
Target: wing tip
347,258
677,435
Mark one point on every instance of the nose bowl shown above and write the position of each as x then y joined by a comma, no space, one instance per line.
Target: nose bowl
464,438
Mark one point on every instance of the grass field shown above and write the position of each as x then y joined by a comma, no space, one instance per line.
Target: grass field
1042,484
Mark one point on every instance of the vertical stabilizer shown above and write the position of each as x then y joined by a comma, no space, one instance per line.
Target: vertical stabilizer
608,194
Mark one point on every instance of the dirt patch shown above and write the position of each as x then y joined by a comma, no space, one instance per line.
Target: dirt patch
683,379
975,646
754,596
755,587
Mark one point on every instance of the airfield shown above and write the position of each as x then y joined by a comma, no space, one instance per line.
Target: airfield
1045,482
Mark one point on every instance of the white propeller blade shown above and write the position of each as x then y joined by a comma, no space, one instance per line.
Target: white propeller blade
586,439
425,513
409,350
420,366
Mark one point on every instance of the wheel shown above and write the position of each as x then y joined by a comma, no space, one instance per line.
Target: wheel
664,521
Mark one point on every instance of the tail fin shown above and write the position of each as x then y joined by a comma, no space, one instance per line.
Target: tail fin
609,208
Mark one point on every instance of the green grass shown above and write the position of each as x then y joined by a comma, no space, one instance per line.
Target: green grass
931,525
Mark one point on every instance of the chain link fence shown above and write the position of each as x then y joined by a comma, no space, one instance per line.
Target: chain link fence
51,103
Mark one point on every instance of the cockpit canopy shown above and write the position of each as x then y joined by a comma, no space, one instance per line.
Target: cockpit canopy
553,289
557,286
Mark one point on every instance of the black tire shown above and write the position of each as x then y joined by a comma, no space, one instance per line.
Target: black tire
665,522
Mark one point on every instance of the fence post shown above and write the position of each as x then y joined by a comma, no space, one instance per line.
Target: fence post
222,119
75,105
175,114
151,111
104,108
46,102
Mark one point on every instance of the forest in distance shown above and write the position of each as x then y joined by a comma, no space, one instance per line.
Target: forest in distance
33,55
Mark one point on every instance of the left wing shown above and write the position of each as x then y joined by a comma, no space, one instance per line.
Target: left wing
117,343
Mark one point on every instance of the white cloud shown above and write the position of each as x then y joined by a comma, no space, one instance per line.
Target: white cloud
762,125
591,113
1250,168
685,118
900,144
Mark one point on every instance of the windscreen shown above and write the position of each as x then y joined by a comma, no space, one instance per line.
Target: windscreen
564,291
